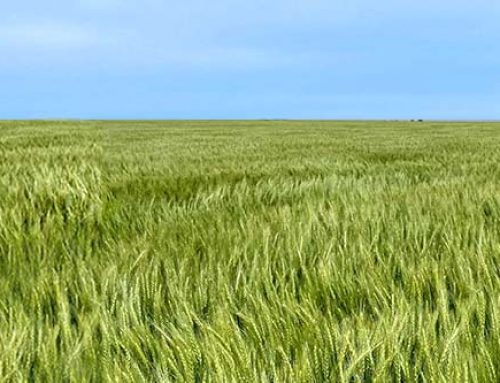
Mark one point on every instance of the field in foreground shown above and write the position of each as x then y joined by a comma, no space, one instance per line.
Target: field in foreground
249,251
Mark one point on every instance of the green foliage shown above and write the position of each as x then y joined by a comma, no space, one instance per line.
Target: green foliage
249,251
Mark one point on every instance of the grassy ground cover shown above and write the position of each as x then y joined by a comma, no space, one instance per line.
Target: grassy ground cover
262,251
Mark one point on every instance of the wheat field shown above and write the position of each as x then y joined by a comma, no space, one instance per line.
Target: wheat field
249,251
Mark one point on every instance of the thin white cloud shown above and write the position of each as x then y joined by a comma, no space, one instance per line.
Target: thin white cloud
51,35
244,58
117,5
103,4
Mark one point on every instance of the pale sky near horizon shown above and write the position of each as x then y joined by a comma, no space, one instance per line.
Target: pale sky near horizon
250,59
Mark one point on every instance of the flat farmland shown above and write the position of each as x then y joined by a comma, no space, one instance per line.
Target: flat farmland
249,251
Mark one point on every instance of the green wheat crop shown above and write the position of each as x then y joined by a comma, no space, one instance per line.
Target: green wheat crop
282,251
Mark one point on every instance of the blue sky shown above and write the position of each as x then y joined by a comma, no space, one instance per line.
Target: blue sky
334,59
